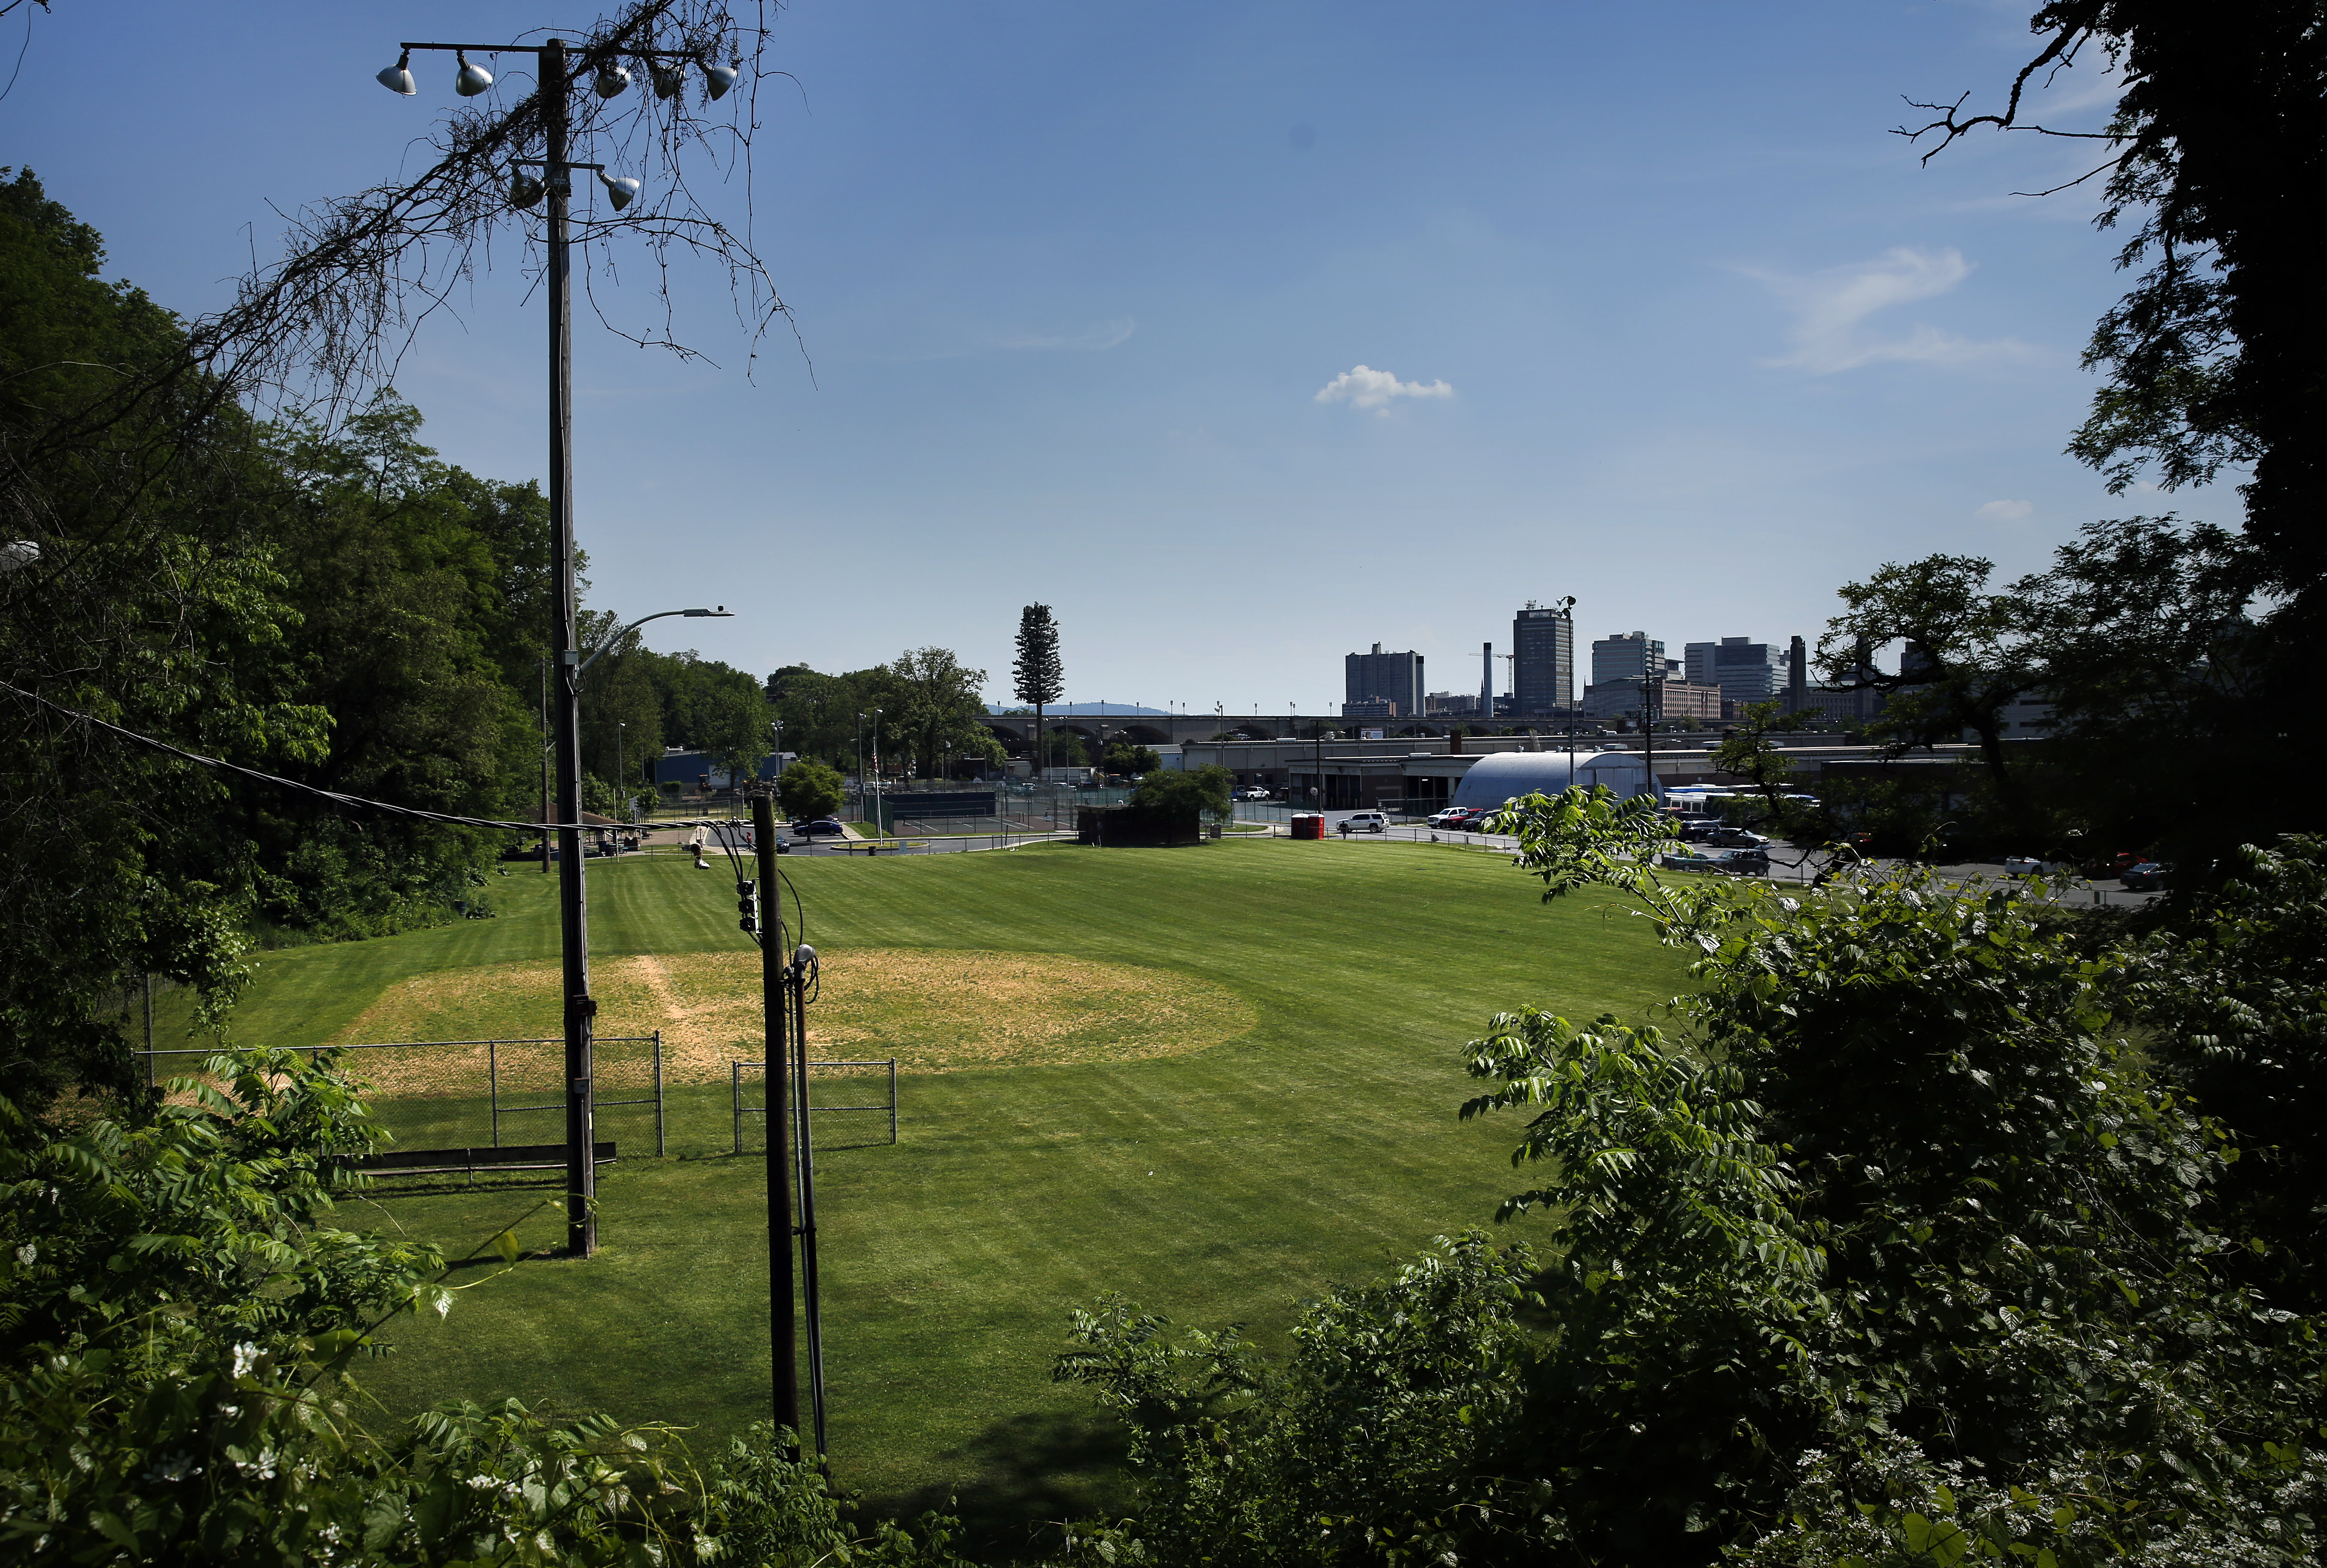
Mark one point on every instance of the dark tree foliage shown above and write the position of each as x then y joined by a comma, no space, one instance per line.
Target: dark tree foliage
181,1308
1130,759
1037,678
341,608
2218,356
2235,992
152,606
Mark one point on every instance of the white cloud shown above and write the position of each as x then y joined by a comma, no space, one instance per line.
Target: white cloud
1831,310
2004,511
1366,387
1100,337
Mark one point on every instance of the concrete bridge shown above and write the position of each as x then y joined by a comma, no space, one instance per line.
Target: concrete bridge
1016,732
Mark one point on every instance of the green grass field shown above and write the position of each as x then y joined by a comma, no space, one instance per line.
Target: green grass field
1221,1185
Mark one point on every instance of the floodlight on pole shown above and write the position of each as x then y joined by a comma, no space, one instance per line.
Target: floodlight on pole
397,78
473,79
669,80
613,80
525,192
620,189
718,80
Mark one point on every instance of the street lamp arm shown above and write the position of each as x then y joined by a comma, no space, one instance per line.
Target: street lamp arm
642,621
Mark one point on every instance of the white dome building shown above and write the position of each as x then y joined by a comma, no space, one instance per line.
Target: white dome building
1502,776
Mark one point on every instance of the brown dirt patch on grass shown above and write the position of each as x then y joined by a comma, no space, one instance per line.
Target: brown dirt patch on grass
934,1009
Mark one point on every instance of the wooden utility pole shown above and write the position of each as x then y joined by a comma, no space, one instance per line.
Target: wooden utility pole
581,1011
775,982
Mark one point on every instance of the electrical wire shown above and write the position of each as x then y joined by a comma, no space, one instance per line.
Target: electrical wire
337,797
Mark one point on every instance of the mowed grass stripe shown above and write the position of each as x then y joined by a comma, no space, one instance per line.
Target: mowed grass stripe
1320,1146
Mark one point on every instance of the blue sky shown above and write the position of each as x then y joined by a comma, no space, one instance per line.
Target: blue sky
1244,335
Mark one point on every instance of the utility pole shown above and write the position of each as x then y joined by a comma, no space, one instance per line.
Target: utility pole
581,1010
776,1003
544,764
555,86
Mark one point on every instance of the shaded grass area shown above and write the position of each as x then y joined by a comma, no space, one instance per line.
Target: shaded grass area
1222,1186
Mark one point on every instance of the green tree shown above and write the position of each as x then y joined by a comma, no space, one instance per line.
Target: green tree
808,789
935,706
1184,798
2234,995
1965,656
153,605
1130,759
1037,678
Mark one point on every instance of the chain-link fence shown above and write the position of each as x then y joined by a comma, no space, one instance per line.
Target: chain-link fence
851,1089
486,1094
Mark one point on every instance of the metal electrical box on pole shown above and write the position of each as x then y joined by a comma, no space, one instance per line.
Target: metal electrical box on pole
775,982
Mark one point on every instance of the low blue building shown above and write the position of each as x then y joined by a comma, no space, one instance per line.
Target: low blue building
704,771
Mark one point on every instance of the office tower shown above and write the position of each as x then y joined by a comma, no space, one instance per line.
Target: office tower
1379,677
1628,656
1798,677
1746,671
1543,668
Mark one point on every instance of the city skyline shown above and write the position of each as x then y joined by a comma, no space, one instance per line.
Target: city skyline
1100,311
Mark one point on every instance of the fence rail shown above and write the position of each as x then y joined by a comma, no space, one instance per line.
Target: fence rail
735,1090
492,1073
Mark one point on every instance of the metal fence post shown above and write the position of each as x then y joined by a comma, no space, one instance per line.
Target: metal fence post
735,1092
662,1147
493,1077
893,1099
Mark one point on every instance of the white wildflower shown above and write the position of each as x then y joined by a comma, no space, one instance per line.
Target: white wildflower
172,1467
246,1356
482,1483
263,1466
26,1254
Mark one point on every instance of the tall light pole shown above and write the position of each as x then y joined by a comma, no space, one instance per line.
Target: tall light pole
1566,608
556,81
622,770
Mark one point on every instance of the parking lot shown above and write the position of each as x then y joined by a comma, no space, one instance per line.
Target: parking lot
1787,862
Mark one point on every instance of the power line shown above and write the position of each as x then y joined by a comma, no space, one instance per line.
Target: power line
337,797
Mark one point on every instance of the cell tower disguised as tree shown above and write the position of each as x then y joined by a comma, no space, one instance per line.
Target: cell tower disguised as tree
1039,679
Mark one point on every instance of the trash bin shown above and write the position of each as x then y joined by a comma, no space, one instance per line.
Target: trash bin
1308,825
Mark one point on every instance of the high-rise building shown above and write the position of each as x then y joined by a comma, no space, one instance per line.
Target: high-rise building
1543,668
1627,655
1379,677
1746,671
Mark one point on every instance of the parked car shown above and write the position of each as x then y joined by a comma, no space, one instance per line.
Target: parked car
1365,822
2150,876
1729,863
2032,865
1453,817
1698,829
825,826
1736,838
1257,792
